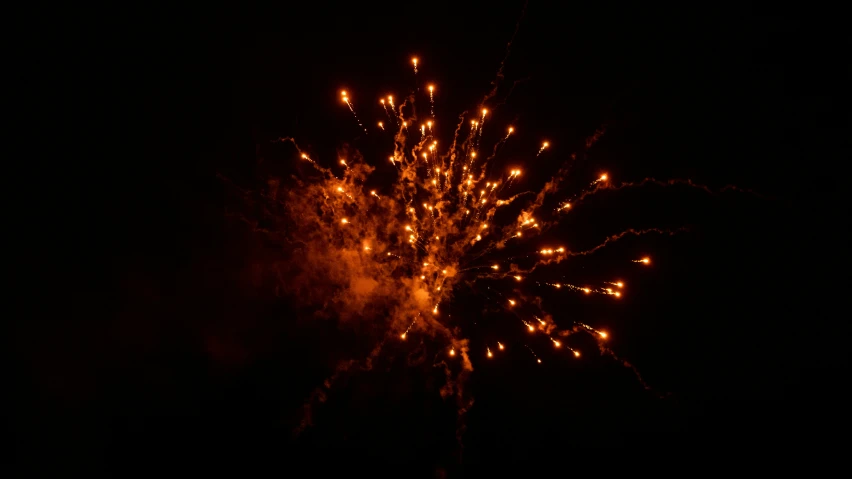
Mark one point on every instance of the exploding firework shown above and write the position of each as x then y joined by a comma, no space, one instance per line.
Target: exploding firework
400,254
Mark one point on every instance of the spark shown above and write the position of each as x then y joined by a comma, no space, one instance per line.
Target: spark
537,359
405,333
385,107
500,345
393,109
644,260
345,97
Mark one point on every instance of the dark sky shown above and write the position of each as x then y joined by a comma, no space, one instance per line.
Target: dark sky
175,353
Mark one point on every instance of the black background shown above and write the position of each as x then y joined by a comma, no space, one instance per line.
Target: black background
170,350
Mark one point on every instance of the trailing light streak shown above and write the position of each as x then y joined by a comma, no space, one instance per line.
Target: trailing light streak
345,97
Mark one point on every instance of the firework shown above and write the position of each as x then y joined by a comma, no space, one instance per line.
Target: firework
450,234
400,252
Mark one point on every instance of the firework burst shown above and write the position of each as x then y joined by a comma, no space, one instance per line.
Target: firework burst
399,255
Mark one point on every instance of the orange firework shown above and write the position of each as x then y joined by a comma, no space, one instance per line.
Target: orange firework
382,258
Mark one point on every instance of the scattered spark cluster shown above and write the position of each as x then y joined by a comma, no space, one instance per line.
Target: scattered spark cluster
400,253
453,209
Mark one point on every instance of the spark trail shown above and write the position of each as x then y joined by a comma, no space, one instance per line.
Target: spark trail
345,98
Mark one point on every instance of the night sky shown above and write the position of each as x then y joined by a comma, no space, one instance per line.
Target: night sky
173,349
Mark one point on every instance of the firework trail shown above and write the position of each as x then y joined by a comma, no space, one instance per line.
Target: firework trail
671,182
385,108
345,97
